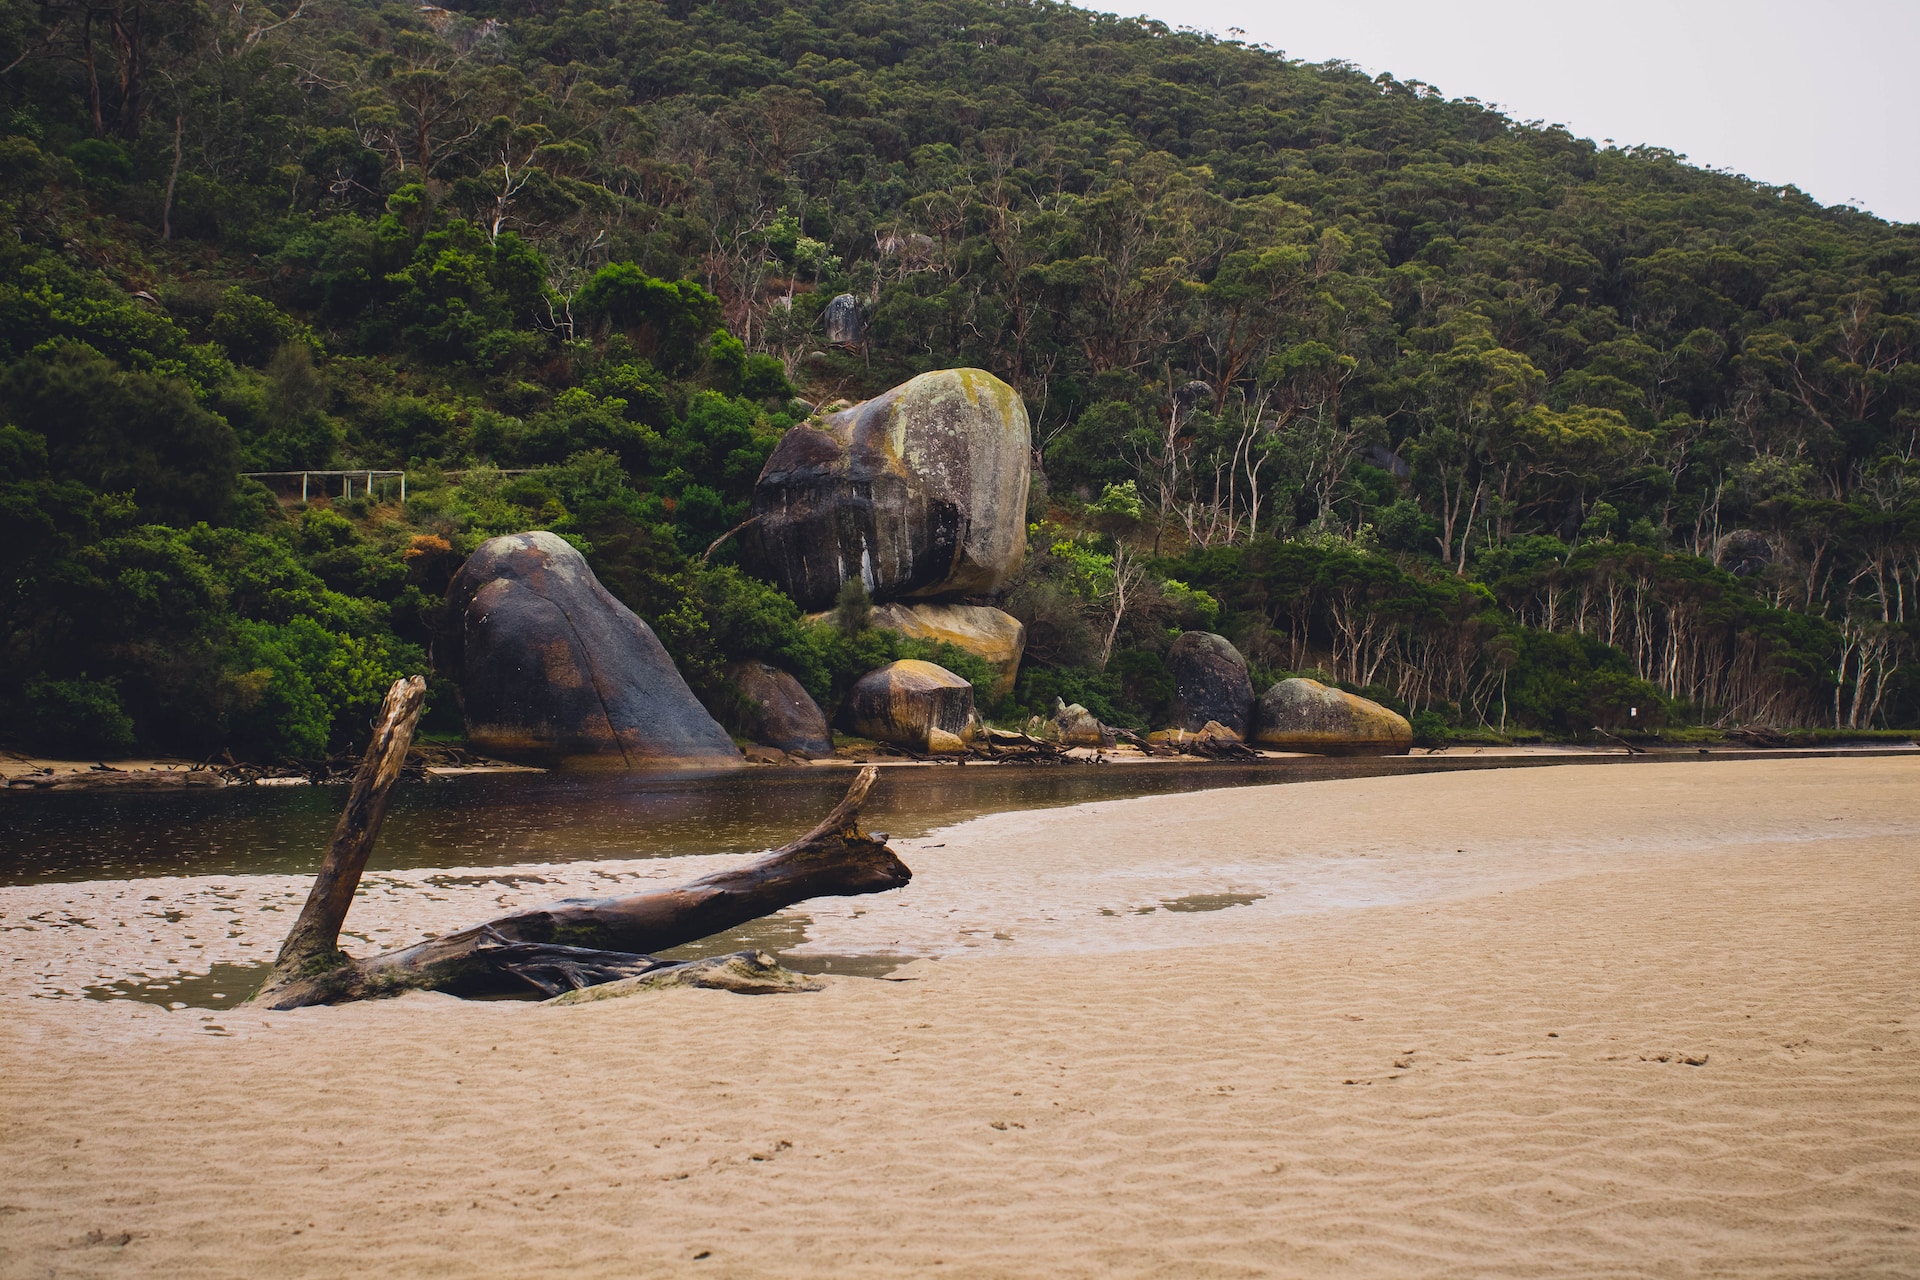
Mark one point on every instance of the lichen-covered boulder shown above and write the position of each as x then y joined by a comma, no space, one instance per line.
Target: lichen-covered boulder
554,670
1305,715
779,711
1210,682
920,493
912,704
992,635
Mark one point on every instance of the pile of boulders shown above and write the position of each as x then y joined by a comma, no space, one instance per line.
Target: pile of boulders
918,494
1214,701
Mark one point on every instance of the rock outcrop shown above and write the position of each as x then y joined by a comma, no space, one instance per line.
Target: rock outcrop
912,704
1212,733
1210,682
1072,725
554,670
779,712
845,326
1743,553
992,635
1305,715
920,493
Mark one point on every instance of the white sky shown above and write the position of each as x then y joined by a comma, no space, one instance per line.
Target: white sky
1822,94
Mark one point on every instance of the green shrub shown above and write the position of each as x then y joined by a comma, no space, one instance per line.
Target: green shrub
80,716
1430,729
1097,691
101,162
251,329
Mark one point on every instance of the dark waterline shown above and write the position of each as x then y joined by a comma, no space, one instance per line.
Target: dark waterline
503,819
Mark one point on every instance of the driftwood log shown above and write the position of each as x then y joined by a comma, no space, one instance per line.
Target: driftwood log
563,946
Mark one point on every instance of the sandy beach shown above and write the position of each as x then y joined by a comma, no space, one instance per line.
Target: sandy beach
1649,1020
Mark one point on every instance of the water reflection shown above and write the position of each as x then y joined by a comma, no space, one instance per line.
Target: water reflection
505,819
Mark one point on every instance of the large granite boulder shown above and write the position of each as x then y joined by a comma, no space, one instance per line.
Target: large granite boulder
1210,682
912,704
920,493
779,711
553,670
992,635
1305,715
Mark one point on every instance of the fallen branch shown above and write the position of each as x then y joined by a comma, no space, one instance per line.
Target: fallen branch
1615,738
563,946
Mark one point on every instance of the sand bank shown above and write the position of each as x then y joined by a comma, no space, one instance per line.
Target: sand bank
1447,1030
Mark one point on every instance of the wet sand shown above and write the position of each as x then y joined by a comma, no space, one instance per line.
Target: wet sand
1575,1021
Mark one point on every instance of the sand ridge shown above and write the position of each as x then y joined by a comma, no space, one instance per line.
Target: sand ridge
1485,1075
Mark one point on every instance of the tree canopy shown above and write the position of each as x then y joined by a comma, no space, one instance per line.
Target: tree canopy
1504,427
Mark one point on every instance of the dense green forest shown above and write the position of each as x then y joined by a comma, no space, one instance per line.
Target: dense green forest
1510,431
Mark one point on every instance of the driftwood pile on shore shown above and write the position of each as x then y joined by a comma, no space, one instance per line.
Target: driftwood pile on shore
1003,746
224,771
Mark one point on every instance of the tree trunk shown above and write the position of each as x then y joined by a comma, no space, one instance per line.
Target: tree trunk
562,946
173,178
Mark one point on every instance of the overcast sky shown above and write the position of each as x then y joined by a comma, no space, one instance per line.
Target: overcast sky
1822,94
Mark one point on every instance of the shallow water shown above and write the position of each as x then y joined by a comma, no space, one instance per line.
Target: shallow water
163,907
492,820
506,819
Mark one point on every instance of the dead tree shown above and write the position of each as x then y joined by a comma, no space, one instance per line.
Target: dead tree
579,942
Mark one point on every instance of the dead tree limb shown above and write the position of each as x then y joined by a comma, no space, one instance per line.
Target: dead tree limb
1616,738
314,941
582,942
716,544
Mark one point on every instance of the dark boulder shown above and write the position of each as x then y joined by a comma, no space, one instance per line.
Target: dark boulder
779,711
1743,553
846,327
1210,682
921,493
554,670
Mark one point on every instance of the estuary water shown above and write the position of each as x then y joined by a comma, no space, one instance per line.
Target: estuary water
494,820
182,898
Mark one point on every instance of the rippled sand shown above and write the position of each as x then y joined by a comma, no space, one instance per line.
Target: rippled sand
1434,1025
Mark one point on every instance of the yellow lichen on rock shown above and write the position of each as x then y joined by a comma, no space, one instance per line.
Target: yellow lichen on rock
913,704
1305,715
992,635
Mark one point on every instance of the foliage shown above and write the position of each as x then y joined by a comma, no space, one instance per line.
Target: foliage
75,717
1504,426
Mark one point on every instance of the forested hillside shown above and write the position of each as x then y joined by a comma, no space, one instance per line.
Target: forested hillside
1510,431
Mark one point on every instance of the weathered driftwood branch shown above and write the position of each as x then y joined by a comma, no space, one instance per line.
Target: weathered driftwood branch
580,942
314,941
